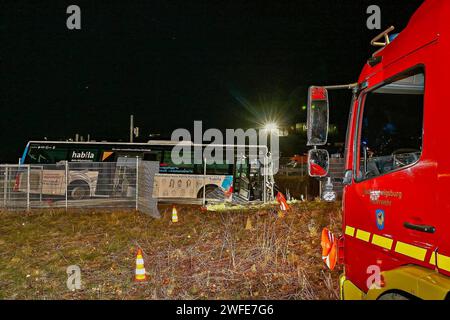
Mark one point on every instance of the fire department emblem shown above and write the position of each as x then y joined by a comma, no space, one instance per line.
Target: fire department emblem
375,195
380,219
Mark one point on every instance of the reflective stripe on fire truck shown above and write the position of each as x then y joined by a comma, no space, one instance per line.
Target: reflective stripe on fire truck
350,231
443,262
382,242
406,249
363,235
411,251
433,258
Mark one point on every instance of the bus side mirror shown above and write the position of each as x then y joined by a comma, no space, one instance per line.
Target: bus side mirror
318,116
318,163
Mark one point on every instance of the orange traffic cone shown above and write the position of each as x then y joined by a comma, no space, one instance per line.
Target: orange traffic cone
174,215
282,201
140,269
248,225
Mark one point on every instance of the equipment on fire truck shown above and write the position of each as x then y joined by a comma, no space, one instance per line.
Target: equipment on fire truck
329,249
385,34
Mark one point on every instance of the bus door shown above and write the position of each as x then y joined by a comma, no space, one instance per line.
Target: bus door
256,180
242,178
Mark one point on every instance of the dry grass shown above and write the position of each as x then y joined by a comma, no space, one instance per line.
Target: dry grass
203,256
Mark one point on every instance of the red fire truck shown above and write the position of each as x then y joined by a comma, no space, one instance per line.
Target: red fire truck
395,241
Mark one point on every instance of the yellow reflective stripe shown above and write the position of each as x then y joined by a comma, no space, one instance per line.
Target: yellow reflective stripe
443,262
363,235
411,251
350,231
433,258
382,242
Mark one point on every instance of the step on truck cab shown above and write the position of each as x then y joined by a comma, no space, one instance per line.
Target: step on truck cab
395,241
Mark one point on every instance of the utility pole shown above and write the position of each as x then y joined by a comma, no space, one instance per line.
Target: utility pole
131,127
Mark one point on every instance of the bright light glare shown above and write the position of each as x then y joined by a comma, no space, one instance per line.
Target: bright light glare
271,127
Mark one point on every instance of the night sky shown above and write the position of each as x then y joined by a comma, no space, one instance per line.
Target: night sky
229,63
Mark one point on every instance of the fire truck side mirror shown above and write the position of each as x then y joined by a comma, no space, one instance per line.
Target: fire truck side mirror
318,163
318,116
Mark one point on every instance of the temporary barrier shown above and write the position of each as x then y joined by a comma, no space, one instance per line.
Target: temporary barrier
130,183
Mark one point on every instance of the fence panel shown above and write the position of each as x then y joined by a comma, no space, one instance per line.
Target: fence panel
104,184
146,202
69,185
128,183
290,167
12,176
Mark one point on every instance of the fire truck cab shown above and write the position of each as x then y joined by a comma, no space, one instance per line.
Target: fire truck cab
395,241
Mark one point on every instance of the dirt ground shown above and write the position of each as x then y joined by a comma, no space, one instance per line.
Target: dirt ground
251,254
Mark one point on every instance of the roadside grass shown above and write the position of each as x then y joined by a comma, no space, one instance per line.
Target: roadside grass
244,254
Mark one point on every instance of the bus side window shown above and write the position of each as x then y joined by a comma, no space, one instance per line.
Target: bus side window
47,156
223,169
168,165
153,156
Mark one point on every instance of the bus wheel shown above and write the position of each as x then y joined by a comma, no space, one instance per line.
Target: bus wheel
78,190
211,192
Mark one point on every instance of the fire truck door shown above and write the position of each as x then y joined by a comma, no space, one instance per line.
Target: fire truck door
390,216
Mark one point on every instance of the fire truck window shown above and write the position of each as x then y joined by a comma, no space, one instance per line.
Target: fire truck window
392,125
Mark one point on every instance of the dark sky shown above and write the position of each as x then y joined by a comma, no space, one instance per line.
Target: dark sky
229,63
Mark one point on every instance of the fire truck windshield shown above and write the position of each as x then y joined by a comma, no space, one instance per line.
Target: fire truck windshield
391,135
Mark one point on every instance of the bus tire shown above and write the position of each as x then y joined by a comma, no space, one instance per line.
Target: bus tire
210,191
78,190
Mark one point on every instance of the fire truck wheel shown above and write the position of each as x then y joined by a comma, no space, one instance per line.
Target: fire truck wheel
78,190
393,296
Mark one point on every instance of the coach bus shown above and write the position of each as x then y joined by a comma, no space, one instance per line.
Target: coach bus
89,177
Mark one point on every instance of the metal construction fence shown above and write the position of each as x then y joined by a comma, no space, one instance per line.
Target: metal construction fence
289,167
129,183
69,185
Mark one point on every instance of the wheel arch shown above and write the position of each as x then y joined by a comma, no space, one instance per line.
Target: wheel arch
80,182
211,186
414,282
